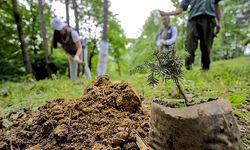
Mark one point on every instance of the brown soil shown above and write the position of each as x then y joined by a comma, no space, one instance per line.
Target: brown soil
107,116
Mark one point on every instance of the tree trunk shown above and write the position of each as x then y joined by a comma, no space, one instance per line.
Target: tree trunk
67,19
33,34
103,53
67,11
176,81
85,68
77,24
92,54
44,35
76,15
105,20
25,54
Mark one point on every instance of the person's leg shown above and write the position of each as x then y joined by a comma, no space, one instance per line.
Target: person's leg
206,41
73,66
85,60
191,43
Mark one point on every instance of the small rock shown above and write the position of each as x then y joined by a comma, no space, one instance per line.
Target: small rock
3,145
121,128
98,146
61,130
116,148
119,138
36,147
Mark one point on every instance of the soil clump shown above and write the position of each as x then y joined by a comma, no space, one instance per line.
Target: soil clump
107,116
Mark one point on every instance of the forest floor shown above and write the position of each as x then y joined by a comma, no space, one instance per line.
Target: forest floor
24,105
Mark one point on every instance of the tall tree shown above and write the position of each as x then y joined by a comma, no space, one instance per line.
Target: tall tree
44,35
32,27
235,29
105,20
103,53
25,54
67,11
76,15
77,25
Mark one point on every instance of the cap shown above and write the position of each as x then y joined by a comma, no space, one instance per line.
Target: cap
57,24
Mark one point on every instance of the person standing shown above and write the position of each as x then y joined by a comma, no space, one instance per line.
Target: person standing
70,42
203,24
167,35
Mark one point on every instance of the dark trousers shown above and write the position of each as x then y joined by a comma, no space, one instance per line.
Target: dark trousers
200,28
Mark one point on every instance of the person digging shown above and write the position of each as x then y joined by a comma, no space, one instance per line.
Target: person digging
70,42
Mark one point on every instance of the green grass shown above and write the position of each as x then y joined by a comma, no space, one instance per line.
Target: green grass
227,79
32,94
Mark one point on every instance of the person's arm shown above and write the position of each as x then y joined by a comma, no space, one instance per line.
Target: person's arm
79,48
183,7
172,40
76,39
172,13
218,14
78,52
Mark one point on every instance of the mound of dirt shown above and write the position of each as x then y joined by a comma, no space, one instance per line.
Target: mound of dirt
107,116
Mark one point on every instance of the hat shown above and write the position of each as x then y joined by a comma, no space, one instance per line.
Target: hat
57,24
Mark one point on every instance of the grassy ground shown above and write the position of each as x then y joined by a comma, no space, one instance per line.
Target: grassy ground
32,94
228,79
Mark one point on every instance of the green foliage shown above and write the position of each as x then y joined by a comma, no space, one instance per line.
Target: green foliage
233,37
90,18
117,49
164,65
11,64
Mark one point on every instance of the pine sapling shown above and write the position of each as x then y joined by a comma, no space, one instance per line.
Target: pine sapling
165,65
